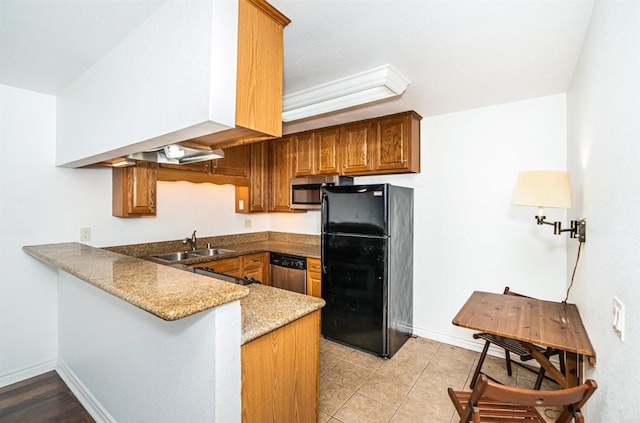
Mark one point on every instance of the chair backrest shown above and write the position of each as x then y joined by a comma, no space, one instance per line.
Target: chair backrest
508,291
575,397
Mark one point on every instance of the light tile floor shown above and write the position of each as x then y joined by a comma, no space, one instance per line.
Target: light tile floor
411,387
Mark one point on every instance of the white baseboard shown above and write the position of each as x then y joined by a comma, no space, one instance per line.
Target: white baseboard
20,375
88,401
466,343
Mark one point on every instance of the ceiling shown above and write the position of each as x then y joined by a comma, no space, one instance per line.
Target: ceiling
458,54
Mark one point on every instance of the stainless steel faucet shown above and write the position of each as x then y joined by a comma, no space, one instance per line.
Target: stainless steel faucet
192,241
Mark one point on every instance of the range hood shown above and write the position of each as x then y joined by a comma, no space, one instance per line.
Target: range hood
178,154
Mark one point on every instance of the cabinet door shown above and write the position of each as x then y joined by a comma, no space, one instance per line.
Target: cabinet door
326,155
234,163
258,177
134,190
260,67
280,171
256,266
314,277
356,143
397,144
303,157
230,266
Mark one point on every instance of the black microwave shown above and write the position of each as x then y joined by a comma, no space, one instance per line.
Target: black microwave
306,193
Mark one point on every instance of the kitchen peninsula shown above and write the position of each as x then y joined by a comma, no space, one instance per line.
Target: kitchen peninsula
141,341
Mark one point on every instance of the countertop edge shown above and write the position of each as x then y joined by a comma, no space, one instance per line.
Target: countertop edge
160,307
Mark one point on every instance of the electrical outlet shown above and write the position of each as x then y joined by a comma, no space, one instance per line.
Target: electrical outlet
618,318
247,223
85,234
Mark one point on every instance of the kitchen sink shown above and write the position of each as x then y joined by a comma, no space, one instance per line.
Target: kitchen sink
176,256
210,252
183,255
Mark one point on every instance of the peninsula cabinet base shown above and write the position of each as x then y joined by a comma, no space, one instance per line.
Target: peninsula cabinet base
280,374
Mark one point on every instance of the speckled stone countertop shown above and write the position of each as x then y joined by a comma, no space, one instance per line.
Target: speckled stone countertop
267,308
166,292
171,294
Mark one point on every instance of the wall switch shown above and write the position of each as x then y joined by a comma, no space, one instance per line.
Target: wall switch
85,234
618,318
247,223
240,204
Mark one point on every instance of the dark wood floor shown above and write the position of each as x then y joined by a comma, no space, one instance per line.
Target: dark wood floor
43,398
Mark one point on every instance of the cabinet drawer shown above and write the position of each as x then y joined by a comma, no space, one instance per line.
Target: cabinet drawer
251,261
229,266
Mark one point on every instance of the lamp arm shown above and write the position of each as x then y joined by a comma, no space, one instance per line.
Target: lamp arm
577,229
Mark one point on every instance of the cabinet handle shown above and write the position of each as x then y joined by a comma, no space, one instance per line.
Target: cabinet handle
316,267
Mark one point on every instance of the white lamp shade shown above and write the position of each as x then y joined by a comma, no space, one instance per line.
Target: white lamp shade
543,188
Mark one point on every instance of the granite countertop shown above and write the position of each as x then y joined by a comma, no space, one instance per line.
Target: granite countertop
166,292
267,308
171,293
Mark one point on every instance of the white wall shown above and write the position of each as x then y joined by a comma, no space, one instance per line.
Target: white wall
603,105
138,368
467,235
41,203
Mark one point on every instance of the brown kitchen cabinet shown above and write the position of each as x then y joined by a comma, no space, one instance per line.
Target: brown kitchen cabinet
253,197
314,277
356,145
280,173
229,266
256,266
235,162
134,190
398,143
316,153
280,373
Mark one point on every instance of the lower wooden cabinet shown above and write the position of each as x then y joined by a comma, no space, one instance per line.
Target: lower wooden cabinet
280,374
231,266
134,190
256,266
314,277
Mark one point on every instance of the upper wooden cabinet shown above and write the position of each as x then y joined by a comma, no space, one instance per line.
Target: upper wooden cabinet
316,153
134,190
235,162
260,67
389,144
280,173
253,197
356,143
398,143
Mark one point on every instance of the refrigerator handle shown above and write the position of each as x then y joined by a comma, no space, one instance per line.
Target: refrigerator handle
324,206
323,214
323,269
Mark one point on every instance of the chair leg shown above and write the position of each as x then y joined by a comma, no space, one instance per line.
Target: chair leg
539,379
483,355
508,358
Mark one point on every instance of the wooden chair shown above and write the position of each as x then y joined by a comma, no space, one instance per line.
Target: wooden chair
492,402
511,346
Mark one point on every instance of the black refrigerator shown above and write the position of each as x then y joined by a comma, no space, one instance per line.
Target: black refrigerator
367,266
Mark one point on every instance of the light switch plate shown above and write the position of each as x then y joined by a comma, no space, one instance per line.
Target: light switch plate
618,318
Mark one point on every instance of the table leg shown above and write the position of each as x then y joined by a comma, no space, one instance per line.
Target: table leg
548,366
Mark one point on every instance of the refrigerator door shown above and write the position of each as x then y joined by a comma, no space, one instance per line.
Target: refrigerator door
354,288
355,209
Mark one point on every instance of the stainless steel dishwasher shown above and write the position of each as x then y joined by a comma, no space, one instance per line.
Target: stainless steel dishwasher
289,272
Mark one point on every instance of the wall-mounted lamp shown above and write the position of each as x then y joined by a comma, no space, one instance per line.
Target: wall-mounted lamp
362,88
546,188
